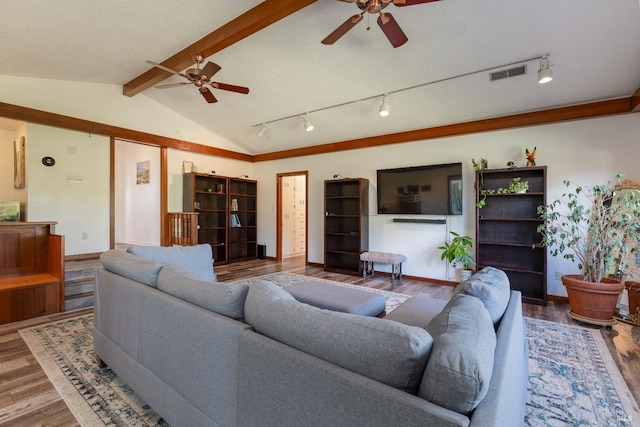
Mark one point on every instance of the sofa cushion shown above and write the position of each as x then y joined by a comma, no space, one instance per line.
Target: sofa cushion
492,287
223,298
389,352
133,267
197,259
459,370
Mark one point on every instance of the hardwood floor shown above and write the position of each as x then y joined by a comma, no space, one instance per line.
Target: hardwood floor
27,398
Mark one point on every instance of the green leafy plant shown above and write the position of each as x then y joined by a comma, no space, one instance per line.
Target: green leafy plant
517,185
458,251
593,226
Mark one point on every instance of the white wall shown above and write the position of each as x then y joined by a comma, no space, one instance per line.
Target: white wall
75,191
7,190
104,103
587,151
137,206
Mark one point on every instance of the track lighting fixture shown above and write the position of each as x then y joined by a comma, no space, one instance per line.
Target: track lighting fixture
308,126
544,76
262,130
544,73
384,107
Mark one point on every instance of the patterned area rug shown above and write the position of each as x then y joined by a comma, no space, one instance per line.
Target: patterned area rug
573,379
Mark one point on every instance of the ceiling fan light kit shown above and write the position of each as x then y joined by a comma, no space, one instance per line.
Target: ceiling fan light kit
386,21
200,78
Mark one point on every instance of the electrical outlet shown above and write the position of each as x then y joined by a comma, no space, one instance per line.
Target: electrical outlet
558,275
85,236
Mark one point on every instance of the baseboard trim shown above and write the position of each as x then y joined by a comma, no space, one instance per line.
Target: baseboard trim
82,257
557,298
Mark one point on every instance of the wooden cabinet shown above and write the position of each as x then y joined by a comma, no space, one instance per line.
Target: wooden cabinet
31,271
346,224
506,236
226,214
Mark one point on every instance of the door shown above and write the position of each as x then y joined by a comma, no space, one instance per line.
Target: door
292,215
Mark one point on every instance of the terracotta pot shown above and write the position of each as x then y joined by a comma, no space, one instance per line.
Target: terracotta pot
633,289
592,302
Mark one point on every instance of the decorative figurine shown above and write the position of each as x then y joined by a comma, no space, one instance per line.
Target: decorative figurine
531,157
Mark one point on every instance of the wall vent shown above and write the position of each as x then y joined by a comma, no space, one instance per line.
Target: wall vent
511,72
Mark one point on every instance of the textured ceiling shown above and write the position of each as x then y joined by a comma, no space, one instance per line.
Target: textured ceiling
594,47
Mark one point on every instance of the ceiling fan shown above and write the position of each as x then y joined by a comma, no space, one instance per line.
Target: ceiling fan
200,77
386,21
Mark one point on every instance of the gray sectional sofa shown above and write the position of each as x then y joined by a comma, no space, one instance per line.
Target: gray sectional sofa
205,353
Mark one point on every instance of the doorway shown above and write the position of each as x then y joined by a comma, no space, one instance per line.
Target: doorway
292,189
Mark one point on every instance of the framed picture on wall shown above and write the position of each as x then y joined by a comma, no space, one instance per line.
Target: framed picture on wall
455,195
19,164
142,172
188,167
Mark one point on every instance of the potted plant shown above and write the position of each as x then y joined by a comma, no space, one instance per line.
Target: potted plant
458,252
518,185
592,225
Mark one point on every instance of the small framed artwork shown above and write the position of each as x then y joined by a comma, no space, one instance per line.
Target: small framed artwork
188,167
19,163
142,172
455,195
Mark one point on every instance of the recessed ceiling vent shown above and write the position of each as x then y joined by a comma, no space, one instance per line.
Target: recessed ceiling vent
511,72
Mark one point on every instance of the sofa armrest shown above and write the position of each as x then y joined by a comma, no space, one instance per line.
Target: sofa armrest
504,404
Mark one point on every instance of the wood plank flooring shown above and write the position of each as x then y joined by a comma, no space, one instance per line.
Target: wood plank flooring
27,398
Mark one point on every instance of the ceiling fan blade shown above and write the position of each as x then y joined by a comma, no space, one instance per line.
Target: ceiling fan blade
169,85
342,29
162,67
232,88
392,30
210,69
206,93
401,3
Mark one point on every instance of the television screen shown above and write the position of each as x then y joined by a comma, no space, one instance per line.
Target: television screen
429,190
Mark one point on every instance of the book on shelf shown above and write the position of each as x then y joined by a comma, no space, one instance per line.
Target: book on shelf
234,204
235,221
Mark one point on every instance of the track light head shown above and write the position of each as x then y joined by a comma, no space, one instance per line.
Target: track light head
262,130
544,73
384,107
308,126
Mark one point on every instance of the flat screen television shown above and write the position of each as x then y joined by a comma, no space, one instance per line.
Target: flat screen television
428,190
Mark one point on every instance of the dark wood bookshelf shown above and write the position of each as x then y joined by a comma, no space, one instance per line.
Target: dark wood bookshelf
227,214
506,230
346,224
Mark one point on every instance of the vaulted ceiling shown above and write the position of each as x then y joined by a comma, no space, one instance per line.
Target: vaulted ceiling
439,77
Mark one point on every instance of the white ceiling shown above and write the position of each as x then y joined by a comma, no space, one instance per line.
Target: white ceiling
594,47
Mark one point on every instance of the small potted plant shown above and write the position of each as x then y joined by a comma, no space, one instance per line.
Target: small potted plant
592,225
518,185
458,252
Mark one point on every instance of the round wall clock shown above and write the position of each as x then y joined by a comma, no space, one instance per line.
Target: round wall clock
48,161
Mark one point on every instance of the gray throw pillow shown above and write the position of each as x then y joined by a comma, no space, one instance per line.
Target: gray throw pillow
386,351
223,298
459,370
492,287
133,267
197,259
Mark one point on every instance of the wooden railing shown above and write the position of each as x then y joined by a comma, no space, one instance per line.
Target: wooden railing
183,228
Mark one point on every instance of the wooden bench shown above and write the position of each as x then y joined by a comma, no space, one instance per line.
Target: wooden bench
370,258
31,271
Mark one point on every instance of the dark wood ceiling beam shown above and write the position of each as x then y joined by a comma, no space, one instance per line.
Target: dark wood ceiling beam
635,102
31,115
250,22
